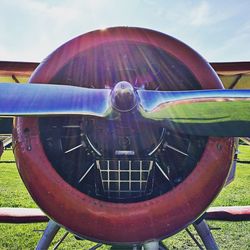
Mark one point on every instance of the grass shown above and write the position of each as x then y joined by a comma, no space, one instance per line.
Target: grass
230,235
202,112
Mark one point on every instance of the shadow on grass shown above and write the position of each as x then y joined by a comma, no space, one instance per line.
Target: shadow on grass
1,162
243,162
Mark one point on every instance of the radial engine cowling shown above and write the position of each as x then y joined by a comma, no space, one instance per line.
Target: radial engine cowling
123,180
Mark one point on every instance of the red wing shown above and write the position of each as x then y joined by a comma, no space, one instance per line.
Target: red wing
22,215
234,213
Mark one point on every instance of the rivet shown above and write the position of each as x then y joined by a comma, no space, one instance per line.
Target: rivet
219,146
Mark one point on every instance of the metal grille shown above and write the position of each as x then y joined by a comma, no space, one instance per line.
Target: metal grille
123,179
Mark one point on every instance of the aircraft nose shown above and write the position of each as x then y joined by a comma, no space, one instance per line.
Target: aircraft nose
123,97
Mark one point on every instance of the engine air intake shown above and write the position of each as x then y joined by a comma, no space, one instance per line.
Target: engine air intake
124,179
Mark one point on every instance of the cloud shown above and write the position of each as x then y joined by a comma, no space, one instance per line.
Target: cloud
208,13
235,48
32,29
36,28
200,15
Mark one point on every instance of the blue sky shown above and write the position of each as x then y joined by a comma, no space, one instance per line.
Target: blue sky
32,29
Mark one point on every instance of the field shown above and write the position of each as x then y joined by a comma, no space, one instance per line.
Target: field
229,235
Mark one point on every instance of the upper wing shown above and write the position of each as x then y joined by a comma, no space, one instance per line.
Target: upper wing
234,75
16,71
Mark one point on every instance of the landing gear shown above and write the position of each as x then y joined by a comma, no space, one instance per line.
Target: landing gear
200,226
205,234
152,245
48,235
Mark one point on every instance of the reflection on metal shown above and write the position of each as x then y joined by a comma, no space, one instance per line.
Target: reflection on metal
232,172
163,173
159,143
50,100
200,112
152,245
92,146
85,174
166,145
48,235
74,148
206,235
124,152
71,126
123,97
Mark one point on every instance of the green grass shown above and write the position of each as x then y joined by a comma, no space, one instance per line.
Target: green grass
231,235
244,153
202,112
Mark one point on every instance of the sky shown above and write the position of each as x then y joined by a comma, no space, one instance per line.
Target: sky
31,29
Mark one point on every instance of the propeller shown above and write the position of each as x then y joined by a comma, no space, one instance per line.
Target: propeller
216,112
199,112
51,100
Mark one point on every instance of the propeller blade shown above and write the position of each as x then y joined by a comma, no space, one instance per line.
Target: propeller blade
51,100
201,112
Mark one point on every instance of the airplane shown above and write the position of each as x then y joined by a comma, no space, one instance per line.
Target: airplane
126,135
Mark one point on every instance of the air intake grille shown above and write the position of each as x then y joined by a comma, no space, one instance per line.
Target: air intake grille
125,179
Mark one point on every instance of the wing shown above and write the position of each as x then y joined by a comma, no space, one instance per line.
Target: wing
22,215
234,75
233,213
16,71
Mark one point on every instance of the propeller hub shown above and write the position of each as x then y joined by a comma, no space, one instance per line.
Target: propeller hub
123,97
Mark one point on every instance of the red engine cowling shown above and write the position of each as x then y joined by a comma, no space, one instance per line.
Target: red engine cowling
64,183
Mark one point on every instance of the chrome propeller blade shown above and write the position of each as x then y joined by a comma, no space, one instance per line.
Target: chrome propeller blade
201,112
51,100
198,112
